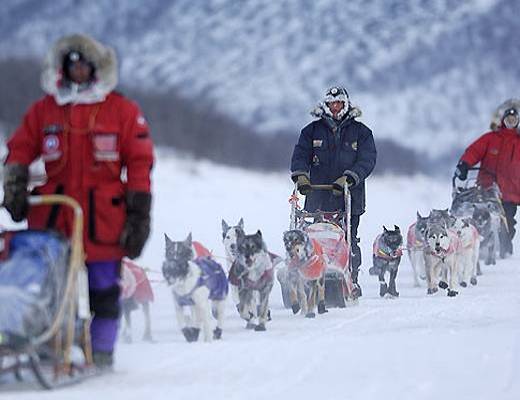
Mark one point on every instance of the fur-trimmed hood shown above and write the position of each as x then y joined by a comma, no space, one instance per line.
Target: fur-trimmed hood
496,120
320,111
102,57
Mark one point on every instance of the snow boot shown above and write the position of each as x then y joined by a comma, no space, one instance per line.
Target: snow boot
295,308
473,281
443,285
463,284
452,293
103,360
310,315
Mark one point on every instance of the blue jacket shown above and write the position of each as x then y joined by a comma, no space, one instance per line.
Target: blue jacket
325,151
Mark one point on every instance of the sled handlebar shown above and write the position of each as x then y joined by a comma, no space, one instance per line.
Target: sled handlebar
68,308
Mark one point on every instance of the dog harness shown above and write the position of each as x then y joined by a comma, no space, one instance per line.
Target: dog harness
313,267
412,241
212,276
382,250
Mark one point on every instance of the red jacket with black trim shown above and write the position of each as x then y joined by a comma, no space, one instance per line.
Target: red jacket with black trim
499,156
85,148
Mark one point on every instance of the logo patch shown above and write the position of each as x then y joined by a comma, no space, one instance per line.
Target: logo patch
105,147
493,152
51,146
317,143
354,146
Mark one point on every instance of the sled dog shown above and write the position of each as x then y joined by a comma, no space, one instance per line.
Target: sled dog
387,253
252,272
195,282
305,273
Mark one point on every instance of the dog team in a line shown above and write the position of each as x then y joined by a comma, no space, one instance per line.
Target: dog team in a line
97,148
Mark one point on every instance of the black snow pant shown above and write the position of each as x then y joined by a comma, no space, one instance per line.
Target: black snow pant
356,251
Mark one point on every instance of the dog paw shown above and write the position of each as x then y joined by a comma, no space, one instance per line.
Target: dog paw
393,293
383,288
250,325
473,281
191,334
310,315
432,291
443,285
463,284
452,293
295,308
217,333
321,308
260,327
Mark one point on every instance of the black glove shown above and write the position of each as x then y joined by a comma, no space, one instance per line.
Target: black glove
137,225
338,186
303,184
461,171
16,178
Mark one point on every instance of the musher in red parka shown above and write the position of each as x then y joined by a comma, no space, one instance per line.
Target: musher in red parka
498,153
87,134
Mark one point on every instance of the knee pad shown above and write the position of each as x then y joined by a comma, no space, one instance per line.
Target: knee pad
104,303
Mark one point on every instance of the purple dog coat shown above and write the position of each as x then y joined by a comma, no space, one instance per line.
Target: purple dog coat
212,276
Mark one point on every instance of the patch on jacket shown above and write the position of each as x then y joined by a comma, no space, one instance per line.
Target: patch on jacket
317,143
105,147
493,152
51,148
354,146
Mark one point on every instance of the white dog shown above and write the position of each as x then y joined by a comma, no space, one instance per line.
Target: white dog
415,245
440,259
468,252
195,282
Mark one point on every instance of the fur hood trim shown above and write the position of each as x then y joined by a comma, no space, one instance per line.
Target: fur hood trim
320,111
496,120
102,57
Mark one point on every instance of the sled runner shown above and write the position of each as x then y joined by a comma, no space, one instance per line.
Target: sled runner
331,230
44,313
483,194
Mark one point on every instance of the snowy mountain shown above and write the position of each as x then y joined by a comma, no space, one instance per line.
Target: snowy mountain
427,73
414,347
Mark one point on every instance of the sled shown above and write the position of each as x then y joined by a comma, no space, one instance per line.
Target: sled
470,194
332,231
45,317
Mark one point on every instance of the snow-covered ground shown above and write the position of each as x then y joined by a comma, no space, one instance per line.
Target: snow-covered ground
414,347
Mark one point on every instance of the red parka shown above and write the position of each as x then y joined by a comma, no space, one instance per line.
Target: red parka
85,147
499,155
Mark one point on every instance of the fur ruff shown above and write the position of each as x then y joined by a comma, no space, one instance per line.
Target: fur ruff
496,120
102,57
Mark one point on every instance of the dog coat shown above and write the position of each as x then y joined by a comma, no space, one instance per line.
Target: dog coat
237,271
212,276
135,283
381,250
313,267
412,241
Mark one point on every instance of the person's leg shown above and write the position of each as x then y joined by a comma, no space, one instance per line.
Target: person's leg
104,292
510,210
356,253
